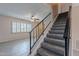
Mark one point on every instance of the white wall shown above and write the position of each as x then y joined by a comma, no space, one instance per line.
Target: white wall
5,29
63,7
75,29
59,8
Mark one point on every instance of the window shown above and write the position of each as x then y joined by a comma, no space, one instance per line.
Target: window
25,27
14,27
21,27
29,27
18,27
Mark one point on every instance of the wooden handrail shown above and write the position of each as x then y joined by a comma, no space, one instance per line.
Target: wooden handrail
37,37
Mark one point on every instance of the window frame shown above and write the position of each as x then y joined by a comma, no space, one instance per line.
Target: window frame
25,27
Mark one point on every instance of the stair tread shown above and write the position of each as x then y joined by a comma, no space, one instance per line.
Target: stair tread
57,27
37,55
56,36
59,24
57,31
53,48
44,52
55,41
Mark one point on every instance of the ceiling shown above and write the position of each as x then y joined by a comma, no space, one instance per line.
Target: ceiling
24,10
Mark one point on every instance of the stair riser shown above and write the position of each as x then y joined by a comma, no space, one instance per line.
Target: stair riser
37,54
44,52
52,49
57,28
56,37
41,54
55,42
56,32
58,25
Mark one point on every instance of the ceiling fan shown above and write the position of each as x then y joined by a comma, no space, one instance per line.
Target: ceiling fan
34,19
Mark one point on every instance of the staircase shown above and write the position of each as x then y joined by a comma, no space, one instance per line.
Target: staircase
54,42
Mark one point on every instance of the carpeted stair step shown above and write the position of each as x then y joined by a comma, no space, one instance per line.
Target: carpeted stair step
57,28
53,48
59,22
44,52
37,55
55,41
59,25
56,31
56,36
